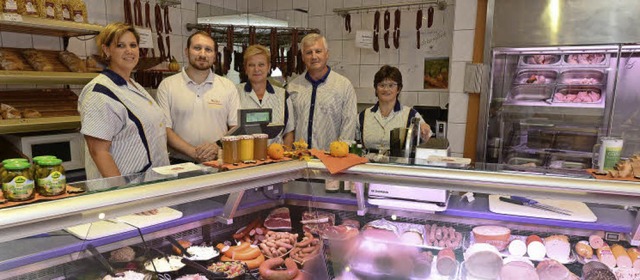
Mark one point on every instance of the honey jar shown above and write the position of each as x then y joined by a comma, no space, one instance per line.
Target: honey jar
245,149
260,142
230,149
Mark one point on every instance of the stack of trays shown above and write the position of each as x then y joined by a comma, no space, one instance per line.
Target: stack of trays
560,78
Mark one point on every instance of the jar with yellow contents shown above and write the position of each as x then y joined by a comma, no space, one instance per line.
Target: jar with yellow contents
245,149
230,149
260,141
50,177
17,182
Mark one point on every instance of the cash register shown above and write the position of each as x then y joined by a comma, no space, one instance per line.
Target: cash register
252,121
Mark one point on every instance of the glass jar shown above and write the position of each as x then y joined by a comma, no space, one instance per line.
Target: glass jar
4,162
245,149
260,141
17,181
50,177
37,159
230,149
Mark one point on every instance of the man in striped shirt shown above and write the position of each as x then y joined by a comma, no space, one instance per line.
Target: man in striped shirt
324,102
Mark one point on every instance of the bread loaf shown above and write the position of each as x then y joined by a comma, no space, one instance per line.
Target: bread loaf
10,61
11,114
29,113
72,61
37,60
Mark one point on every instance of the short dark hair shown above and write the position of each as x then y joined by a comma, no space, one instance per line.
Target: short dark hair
388,72
203,33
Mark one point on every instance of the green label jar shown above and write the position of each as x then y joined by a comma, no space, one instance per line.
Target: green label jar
17,182
50,177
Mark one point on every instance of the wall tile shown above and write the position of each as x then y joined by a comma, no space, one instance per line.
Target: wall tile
455,135
316,8
187,17
462,45
333,4
77,46
408,98
176,47
458,104
465,14
230,4
47,43
96,12
352,72
285,15
115,11
370,2
269,5
428,98
389,56
187,5
208,2
301,4
367,72
255,6
317,22
352,4
285,5
242,6
412,76
218,3
444,99
350,53
16,40
335,50
334,23
456,76
366,95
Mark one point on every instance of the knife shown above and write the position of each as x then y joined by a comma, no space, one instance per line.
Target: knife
532,201
535,205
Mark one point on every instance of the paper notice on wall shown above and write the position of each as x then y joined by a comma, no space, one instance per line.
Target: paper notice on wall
146,40
364,39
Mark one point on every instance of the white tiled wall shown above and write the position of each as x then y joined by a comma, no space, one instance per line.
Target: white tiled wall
359,65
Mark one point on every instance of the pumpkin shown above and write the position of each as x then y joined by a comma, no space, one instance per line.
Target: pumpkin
275,151
339,149
174,66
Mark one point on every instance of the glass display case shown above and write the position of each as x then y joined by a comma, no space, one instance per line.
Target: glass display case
51,239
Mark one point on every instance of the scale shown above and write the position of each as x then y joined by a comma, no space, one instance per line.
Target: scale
252,121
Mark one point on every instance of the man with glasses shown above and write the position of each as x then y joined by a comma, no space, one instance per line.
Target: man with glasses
324,101
375,123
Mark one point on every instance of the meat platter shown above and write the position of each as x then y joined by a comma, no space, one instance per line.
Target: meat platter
577,94
505,253
582,77
586,59
369,270
540,59
536,77
568,60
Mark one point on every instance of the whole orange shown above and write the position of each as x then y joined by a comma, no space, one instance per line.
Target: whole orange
275,151
339,149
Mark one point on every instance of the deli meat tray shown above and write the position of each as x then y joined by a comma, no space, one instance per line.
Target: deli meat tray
372,271
505,253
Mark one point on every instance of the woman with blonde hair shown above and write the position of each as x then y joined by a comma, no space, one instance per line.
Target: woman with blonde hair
123,126
258,92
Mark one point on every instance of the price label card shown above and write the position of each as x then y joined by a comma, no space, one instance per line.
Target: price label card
12,17
146,39
364,39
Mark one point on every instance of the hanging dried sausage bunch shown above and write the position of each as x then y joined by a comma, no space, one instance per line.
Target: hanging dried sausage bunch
396,29
418,27
376,31
387,24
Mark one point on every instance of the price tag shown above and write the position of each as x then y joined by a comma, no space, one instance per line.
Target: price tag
146,40
364,39
12,17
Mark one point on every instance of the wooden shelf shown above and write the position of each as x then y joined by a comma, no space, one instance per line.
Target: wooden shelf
41,78
39,124
48,27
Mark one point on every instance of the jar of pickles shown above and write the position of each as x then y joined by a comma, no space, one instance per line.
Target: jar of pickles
17,181
4,162
50,177
260,141
245,148
230,149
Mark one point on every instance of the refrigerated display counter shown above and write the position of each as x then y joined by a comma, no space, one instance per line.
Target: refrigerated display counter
38,240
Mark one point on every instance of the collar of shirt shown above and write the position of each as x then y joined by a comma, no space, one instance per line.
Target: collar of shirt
209,80
320,81
121,82
396,108
248,88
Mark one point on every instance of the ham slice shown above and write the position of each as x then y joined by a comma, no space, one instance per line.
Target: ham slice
519,270
553,270
278,219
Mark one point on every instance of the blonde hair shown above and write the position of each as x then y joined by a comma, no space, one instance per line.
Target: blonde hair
254,50
112,33
311,39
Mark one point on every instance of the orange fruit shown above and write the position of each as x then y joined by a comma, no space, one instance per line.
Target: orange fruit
275,151
339,149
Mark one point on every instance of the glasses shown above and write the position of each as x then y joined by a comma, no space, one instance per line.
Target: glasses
387,85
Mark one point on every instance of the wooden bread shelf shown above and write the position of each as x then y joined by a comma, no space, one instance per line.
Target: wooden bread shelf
48,27
39,124
41,78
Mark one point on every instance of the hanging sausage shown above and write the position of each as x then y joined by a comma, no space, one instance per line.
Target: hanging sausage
347,23
167,23
430,17
128,18
387,24
273,48
147,15
418,27
396,29
376,31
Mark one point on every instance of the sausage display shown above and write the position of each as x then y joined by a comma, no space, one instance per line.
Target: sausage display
622,258
387,24
347,23
376,31
430,17
418,27
396,29
167,22
128,17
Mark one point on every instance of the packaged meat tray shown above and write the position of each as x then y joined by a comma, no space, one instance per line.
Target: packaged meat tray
531,92
577,94
582,77
540,59
586,59
422,266
506,253
429,236
536,77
